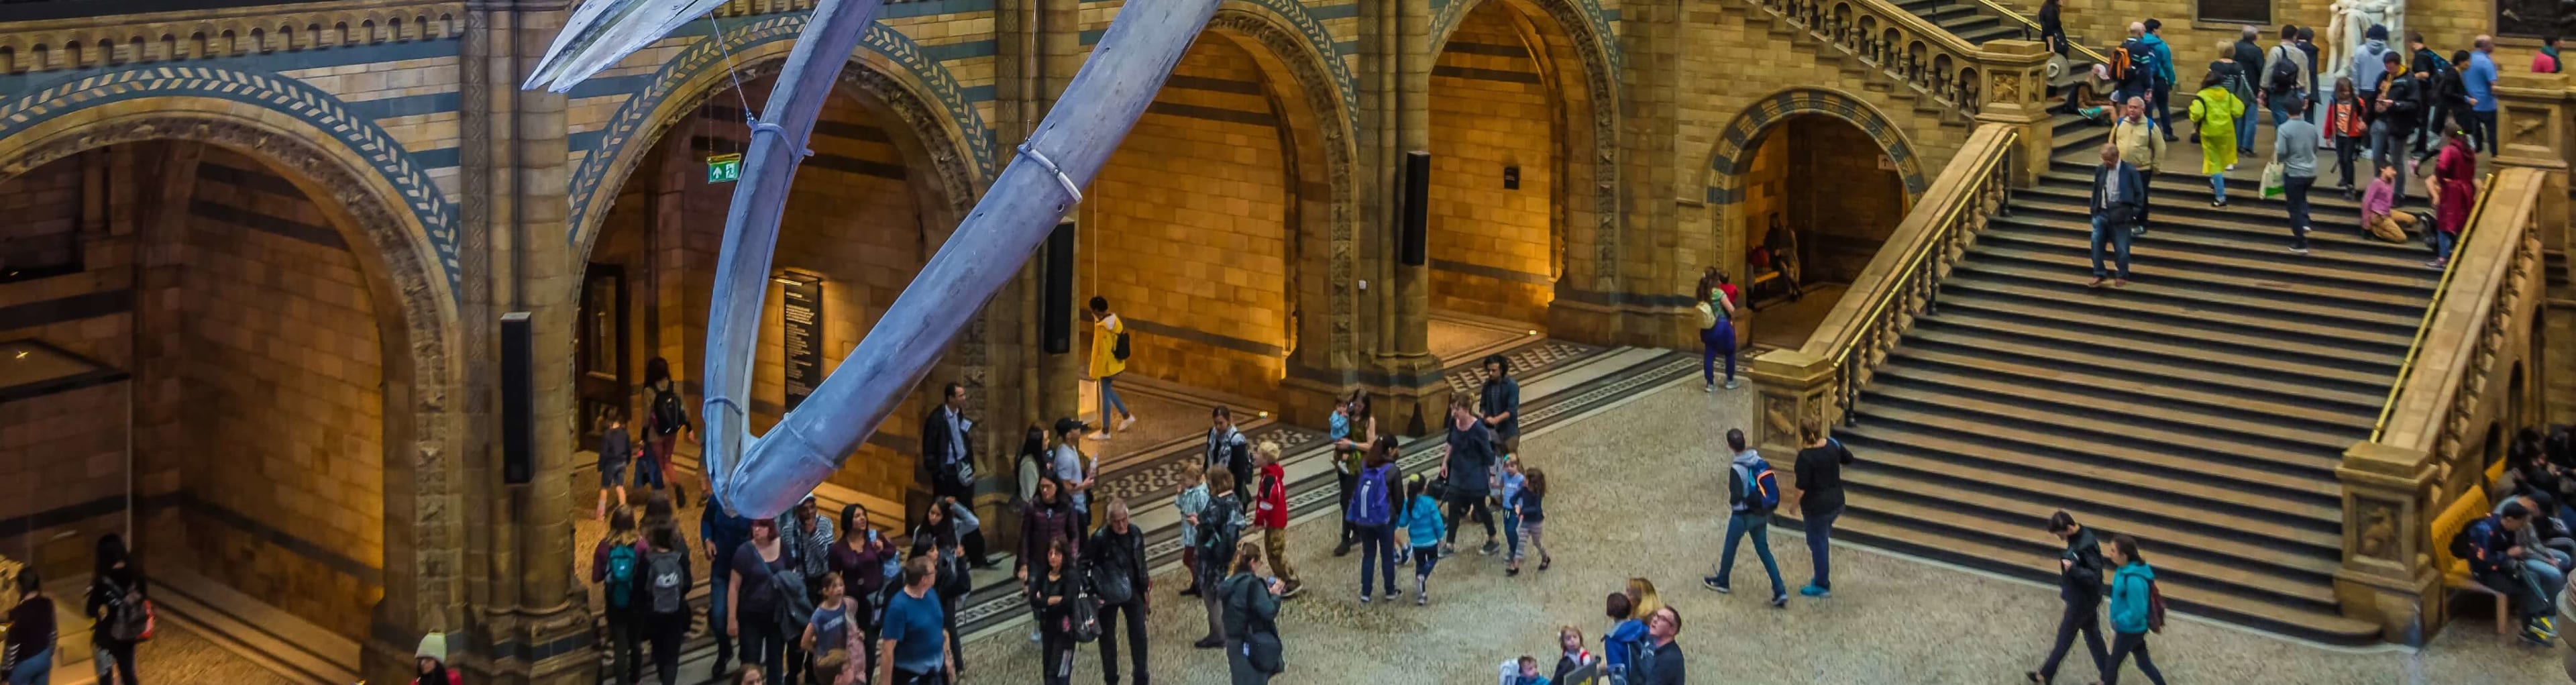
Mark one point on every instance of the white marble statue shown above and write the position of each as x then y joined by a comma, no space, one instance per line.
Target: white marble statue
2351,21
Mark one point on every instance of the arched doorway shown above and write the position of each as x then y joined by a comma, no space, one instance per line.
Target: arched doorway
275,312
1211,232
1805,187
871,205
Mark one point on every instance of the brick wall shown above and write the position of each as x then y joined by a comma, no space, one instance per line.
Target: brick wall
1491,247
287,416
1187,232
63,455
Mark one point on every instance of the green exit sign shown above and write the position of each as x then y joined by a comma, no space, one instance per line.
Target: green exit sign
724,168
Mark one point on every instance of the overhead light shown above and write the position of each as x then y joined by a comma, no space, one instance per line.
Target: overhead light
1533,332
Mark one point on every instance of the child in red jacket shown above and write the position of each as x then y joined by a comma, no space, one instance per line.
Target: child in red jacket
1270,513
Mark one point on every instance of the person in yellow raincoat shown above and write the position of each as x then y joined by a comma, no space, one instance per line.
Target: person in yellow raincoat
2215,113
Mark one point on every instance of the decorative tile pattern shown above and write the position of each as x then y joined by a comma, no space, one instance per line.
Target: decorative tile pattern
1466,375
437,216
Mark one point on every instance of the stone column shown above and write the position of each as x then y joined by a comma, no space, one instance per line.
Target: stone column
1652,282
1410,389
2016,90
2533,130
1796,387
2387,576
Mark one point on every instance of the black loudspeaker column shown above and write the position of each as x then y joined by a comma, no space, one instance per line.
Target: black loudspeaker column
518,390
1055,317
1416,208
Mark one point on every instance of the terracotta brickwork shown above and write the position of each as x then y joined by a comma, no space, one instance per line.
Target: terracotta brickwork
1492,248
283,377
1187,232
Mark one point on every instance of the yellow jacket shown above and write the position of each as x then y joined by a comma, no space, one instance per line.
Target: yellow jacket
1104,339
2140,145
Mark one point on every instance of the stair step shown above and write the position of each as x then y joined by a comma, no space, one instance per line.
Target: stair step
2402,268
2376,339
2084,396
2195,393
2306,503
2354,311
2276,283
2212,340
2171,353
2396,276
2065,423
2032,540
2317,553
2193,189
2183,592
1986,344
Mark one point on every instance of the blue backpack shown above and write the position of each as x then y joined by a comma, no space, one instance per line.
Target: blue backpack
621,576
1371,503
1761,486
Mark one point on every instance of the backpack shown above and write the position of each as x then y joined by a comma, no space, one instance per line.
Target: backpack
2155,607
664,570
1085,619
1639,666
1369,499
667,415
2282,78
1761,487
133,621
2123,62
621,576
1118,350
1218,532
1707,316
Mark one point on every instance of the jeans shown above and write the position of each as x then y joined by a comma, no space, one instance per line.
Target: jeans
2544,574
1109,398
34,670
2119,239
2124,644
1377,549
763,642
1423,559
1716,341
2482,130
648,471
113,658
625,633
1820,532
2157,95
2388,147
2245,130
1758,526
2297,199
2346,148
669,632
2529,600
2280,107
2086,620
1459,505
1134,608
2443,241
2218,187
718,602
1512,536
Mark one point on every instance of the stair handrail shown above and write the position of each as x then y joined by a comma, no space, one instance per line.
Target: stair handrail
2478,215
1979,178
2033,26
1957,86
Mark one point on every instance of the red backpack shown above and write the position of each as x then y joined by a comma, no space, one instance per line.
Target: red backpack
2155,607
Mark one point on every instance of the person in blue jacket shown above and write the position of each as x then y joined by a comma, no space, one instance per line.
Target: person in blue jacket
1627,633
2495,560
2164,77
2130,588
1422,528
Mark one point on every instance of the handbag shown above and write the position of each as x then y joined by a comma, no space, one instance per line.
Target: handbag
1085,618
2275,180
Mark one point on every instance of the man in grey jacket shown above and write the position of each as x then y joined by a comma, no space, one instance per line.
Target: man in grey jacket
2294,145
1748,514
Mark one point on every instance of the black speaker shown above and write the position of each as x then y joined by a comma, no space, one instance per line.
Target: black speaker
518,398
1416,208
1055,317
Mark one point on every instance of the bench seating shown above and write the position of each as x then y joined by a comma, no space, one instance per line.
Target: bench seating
2464,510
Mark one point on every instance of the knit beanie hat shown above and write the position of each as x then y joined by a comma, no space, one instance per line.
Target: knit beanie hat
432,647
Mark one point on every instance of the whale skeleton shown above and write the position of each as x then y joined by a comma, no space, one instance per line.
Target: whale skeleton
761,476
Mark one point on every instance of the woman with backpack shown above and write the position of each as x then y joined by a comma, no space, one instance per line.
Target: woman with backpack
662,589
1052,592
121,616
665,421
1252,649
1716,327
615,565
2135,611
1220,529
1372,513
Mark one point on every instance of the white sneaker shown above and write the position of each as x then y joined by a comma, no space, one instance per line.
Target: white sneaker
1129,421
1099,435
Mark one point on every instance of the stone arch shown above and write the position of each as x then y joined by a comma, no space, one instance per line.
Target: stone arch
414,316
1577,32
1314,95
1744,134
915,86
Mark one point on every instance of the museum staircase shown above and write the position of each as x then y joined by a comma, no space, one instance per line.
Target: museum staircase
2203,409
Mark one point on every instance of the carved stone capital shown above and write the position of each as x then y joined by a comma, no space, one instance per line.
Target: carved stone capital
1794,387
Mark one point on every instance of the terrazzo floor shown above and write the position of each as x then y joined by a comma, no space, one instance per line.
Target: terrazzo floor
1635,496
177,654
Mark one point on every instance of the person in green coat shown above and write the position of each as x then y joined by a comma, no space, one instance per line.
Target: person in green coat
2215,112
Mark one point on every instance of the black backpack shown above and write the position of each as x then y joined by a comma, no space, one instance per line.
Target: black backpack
1218,534
667,414
2282,78
662,572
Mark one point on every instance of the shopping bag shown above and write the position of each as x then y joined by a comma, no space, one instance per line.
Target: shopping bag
2275,182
